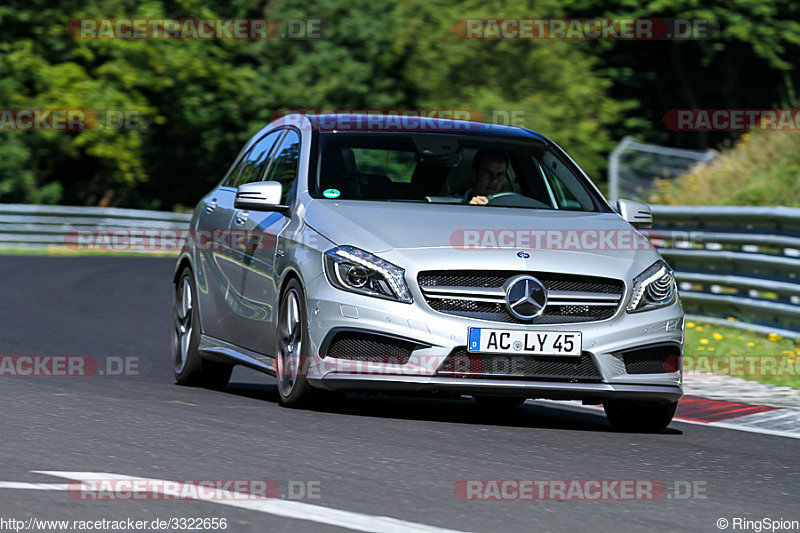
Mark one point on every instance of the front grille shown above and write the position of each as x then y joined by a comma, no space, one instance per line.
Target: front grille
463,278
357,346
480,295
658,359
496,312
461,363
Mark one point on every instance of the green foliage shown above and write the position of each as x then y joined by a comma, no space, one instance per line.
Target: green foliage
552,85
763,168
205,98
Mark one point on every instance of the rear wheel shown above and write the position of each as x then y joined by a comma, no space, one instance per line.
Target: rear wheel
499,402
188,366
292,347
640,416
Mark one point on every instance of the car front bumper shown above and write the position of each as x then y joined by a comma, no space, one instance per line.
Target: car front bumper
438,335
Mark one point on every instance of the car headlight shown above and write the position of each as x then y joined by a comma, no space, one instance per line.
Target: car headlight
653,288
352,269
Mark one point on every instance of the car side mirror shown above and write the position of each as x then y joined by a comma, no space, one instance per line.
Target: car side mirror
261,196
636,214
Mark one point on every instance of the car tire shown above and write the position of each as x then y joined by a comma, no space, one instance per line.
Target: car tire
291,347
188,365
639,416
499,402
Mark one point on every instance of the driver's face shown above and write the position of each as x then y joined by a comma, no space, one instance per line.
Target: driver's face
488,177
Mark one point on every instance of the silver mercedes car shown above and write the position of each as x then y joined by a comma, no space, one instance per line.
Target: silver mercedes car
354,252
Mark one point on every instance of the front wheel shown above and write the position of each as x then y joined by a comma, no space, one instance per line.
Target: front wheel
188,365
292,347
639,416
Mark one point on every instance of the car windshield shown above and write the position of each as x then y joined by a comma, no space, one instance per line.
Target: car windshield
448,169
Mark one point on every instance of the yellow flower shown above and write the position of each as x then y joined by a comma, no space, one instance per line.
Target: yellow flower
703,341
751,344
733,319
710,348
717,337
690,324
774,337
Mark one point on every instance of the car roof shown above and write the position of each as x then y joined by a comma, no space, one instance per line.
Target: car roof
415,124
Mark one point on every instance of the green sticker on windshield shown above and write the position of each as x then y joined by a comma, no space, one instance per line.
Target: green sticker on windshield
331,193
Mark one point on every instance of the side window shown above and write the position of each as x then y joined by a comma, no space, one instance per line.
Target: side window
285,162
559,192
255,163
567,186
233,173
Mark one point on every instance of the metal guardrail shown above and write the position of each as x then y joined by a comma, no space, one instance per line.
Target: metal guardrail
634,167
27,227
739,263
734,265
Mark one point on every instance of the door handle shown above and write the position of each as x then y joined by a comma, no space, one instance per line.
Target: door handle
210,206
241,217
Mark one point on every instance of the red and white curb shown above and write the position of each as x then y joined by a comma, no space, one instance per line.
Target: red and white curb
739,416
736,389
731,415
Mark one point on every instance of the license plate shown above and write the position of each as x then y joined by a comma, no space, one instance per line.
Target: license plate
522,342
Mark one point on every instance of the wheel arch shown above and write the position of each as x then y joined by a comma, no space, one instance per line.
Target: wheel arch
183,262
288,275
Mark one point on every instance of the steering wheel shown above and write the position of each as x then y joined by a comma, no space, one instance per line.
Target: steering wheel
514,199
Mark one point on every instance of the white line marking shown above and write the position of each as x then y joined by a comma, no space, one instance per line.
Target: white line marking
32,486
284,508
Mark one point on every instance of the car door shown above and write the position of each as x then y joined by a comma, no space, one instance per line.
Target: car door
260,285
210,250
245,307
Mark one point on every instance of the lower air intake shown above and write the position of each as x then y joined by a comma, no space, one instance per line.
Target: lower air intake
358,346
461,363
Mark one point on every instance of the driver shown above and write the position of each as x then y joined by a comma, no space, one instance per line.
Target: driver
488,173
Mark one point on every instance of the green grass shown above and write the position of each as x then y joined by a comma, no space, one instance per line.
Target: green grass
763,168
747,354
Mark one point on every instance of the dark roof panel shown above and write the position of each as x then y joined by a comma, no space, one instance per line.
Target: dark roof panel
415,124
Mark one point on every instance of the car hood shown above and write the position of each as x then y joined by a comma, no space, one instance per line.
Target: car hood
396,228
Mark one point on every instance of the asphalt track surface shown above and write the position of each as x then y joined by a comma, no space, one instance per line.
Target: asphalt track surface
374,455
